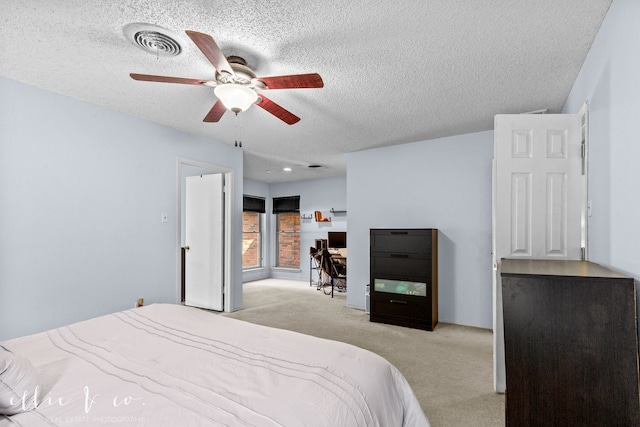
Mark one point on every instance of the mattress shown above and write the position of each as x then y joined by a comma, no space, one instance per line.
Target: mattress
170,365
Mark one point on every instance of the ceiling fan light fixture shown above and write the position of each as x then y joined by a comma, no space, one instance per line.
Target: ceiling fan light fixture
236,97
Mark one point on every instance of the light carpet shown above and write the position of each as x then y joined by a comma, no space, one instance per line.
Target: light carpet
450,369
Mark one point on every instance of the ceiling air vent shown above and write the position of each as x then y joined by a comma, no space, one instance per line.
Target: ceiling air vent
152,39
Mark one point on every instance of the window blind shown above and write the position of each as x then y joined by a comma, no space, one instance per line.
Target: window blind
289,204
253,204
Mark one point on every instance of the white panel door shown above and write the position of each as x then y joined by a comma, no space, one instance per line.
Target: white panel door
539,199
204,238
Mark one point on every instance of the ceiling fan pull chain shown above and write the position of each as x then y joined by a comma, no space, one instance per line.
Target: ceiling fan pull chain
238,131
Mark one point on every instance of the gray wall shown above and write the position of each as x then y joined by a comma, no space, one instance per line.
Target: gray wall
82,189
444,184
610,82
315,195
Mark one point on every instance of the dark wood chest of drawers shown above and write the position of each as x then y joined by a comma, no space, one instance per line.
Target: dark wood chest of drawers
404,277
571,347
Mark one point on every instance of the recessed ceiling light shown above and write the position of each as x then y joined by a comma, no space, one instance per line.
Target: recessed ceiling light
287,169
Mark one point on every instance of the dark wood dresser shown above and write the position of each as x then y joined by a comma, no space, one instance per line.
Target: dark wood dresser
571,346
404,277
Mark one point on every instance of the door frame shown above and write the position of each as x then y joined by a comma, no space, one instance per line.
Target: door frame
584,113
228,228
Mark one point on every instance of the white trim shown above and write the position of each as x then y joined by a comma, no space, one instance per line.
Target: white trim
229,184
584,112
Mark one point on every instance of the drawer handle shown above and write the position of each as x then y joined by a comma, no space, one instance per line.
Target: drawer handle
399,256
399,232
397,301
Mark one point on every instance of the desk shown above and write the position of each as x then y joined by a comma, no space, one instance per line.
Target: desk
314,265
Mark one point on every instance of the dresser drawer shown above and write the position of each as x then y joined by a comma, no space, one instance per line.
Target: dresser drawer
401,240
410,290
397,304
405,265
394,311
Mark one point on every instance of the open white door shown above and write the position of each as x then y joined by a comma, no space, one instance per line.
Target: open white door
204,238
539,200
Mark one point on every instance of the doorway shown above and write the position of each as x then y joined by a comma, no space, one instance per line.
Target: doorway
539,198
189,168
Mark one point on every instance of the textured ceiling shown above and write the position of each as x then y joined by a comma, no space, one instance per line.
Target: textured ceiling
394,72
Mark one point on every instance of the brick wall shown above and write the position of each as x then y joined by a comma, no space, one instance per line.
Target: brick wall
288,240
250,239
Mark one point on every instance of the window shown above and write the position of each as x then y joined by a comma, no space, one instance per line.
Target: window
288,248
251,240
287,211
253,210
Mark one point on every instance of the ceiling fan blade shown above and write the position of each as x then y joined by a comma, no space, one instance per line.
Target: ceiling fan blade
165,79
210,49
216,112
296,81
284,115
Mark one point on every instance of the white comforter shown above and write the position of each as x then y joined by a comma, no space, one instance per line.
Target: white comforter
169,365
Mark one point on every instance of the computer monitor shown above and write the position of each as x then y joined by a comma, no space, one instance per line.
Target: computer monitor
337,239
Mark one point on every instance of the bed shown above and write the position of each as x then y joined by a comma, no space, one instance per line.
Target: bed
170,365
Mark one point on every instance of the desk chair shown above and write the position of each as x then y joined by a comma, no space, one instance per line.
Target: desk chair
334,275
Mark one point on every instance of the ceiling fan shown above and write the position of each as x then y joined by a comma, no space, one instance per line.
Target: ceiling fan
235,83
